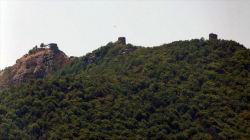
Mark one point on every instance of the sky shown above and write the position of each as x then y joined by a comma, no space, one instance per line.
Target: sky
79,27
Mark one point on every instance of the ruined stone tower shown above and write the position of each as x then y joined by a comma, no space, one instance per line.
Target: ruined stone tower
212,36
123,40
53,46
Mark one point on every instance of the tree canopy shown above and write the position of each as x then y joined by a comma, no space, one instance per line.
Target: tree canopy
197,89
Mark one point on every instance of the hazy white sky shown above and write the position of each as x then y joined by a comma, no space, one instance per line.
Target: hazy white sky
79,27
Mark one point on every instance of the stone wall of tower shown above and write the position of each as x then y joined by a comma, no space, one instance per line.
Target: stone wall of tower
123,40
213,36
53,47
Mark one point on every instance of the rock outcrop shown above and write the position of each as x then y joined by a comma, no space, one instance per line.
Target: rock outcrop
38,65
126,51
91,59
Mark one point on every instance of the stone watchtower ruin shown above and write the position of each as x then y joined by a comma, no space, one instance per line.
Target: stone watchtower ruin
123,40
53,46
212,36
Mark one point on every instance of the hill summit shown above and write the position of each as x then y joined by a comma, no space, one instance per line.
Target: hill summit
38,63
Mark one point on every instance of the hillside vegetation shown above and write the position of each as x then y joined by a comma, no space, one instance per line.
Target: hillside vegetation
196,89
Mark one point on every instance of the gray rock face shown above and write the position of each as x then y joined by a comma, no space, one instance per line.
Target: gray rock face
39,65
91,59
126,51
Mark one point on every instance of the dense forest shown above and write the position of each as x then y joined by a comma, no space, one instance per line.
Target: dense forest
197,89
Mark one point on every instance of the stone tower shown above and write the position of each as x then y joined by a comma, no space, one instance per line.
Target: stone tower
53,46
212,36
123,40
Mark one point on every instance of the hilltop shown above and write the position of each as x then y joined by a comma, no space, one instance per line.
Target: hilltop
38,63
197,89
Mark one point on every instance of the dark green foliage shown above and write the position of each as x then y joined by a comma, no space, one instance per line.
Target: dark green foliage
183,90
35,50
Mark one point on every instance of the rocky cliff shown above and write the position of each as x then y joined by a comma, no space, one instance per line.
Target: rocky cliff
41,64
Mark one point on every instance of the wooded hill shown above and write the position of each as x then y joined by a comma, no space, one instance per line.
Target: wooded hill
196,89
